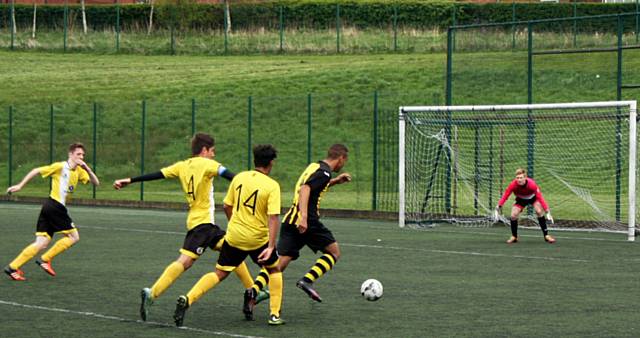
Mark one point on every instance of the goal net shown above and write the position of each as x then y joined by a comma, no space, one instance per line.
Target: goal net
455,163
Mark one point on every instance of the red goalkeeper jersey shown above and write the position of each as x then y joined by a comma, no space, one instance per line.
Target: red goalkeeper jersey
526,191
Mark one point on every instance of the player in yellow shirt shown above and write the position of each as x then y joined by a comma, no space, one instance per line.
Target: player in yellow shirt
54,217
196,178
252,206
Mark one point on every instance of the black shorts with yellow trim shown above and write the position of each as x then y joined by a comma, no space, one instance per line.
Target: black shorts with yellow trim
231,257
198,239
317,237
53,218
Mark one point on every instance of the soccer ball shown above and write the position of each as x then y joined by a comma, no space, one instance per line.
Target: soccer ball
371,289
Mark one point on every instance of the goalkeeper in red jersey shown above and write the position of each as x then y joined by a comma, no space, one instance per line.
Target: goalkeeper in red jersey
527,193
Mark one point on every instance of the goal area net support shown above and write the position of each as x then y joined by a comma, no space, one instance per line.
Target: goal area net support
455,162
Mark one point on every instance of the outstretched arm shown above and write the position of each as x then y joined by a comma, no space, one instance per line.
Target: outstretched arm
342,178
15,188
123,182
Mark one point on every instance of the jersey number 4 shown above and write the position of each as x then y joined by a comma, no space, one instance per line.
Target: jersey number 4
190,189
250,202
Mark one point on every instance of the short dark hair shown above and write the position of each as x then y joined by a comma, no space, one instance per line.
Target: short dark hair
200,140
263,154
337,150
76,145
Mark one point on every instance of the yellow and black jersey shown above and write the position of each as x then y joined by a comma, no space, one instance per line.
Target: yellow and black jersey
317,176
196,178
64,179
254,197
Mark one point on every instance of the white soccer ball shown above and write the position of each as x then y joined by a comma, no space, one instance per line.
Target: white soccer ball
371,289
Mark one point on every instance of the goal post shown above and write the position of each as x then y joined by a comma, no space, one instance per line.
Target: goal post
456,161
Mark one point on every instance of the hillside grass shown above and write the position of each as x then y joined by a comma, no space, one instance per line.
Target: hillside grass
342,97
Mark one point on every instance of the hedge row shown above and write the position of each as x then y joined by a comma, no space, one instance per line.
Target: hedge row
304,14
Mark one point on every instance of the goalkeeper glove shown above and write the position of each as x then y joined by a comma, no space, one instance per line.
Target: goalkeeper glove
496,213
549,217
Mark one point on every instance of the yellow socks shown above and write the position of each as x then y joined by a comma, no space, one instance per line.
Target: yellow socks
275,288
61,245
170,274
27,253
243,274
206,283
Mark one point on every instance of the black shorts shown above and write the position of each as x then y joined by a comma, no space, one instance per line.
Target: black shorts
317,237
53,218
522,202
199,238
230,257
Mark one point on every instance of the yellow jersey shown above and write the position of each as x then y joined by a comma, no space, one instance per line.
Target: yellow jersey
196,178
64,180
254,197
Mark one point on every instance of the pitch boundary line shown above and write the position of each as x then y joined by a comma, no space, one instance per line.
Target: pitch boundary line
124,320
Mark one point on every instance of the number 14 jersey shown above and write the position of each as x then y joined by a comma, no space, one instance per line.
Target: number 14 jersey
254,196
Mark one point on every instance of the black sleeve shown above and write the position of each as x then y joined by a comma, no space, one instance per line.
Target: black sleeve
148,177
318,180
227,174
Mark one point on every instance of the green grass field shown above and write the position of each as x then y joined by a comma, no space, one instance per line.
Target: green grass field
442,282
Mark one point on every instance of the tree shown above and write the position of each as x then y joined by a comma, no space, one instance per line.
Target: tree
227,15
35,9
150,18
84,17
13,17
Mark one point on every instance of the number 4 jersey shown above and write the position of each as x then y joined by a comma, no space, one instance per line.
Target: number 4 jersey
254,196
196,178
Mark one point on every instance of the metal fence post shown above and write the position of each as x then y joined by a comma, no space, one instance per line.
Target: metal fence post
309,115
118,27
374,188
173,34
338,28
395,28
193,117
249,118
50,139
281,29
95,147
449,81
513,27
619,120
453,23
575,24
142,137
637,20
10,151
65,25
529,62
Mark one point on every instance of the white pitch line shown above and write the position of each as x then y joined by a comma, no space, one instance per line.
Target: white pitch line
132,230
372,246
119,319
464,253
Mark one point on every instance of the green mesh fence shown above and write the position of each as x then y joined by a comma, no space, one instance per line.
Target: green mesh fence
135,137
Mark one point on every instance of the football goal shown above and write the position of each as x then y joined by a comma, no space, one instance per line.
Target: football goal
456,161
